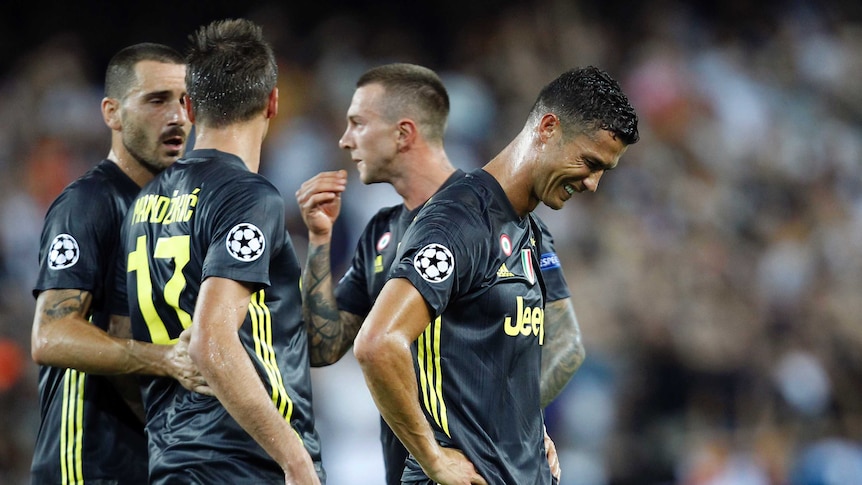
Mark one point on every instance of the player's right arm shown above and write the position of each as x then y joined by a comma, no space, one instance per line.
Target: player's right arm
216,348
330,331
382,349
62,336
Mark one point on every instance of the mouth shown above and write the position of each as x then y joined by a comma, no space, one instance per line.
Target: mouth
569,189
174,142
174,138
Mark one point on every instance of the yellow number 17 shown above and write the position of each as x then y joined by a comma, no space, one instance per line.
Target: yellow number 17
176,248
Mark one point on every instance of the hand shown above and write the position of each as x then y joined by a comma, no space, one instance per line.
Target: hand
455,469
182,367
319,200
553,459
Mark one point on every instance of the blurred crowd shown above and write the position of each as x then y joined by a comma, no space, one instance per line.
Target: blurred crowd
716,274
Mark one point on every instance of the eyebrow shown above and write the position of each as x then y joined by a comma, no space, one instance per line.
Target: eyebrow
158,94
598,163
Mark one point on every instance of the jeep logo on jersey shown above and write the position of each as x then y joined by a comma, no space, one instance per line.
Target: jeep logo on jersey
528,320
434,263
245,242
64,252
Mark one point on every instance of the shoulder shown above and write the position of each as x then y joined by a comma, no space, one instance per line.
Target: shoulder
386,214
97,192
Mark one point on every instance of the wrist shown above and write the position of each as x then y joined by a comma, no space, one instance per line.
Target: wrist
319,239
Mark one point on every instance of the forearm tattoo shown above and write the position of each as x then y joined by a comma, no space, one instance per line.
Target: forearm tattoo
330,332
62,303
563,351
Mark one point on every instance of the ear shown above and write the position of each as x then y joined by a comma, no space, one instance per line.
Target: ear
111,113
272,104
189,111
549,124
407,133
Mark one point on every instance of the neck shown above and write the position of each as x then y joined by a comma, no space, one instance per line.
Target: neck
512,169
421,176
241,139
127,163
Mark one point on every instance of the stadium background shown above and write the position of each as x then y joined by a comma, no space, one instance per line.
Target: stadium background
717,274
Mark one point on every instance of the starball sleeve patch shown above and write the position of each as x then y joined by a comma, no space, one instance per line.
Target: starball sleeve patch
245,242
434,263
64,252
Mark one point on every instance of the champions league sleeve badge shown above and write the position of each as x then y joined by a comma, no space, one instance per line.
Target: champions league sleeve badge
64,252
434,263
245,242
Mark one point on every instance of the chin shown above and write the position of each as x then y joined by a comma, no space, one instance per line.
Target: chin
555,206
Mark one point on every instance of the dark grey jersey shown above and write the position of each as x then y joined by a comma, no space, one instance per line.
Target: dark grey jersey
477,264
87,432
209,216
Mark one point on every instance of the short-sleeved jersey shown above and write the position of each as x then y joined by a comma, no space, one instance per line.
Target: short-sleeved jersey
208,216
478,363
87,432
369,270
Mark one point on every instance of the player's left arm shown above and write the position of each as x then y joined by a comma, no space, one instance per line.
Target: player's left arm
216,349
563,350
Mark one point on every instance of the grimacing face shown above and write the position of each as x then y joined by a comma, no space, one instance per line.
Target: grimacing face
576,164
155,124
370,137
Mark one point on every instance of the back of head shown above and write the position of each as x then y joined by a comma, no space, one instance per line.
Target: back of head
120,74
586,100
231,72
414,92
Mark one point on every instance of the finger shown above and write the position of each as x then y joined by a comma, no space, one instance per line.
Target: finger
205,390
326,181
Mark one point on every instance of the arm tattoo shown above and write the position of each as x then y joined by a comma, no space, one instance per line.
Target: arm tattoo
330,331
563,351
62,303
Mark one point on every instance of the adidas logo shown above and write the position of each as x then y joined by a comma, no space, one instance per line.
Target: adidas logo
504,272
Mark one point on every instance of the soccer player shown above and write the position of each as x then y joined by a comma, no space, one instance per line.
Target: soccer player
87,433
469,265
207,250
395,128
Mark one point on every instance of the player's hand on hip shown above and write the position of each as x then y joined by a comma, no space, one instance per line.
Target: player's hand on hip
455,469
184,369
553,459
319,200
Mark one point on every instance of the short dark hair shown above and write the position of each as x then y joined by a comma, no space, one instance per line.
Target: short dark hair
414,91
588,99
120,74
231,71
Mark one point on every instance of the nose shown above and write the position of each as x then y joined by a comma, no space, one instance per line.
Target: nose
345,141
592,182
179,115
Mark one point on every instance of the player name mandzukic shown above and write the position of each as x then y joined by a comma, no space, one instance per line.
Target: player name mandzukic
159,209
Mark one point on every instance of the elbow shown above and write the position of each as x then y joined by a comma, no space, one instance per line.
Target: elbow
198,350
40,345
322,361
369,348
39,351
363,349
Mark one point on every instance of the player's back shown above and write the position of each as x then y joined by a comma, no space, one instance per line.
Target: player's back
209,216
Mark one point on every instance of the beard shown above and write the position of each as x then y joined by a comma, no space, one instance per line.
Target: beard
146,152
